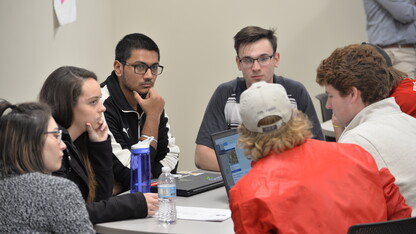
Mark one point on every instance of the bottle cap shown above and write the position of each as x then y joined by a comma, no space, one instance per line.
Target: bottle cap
142,146
166,169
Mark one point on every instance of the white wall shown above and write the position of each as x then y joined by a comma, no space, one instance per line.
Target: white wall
33,45
195,38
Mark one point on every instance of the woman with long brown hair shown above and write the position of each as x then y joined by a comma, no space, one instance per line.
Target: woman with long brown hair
74,96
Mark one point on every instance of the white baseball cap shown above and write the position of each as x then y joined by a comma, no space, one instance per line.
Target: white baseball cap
261,100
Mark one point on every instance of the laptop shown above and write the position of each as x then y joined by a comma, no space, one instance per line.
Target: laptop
231,159
188,184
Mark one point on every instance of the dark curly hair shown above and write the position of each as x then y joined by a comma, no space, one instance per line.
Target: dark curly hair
360,66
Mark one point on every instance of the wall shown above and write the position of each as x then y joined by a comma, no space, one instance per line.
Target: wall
196,42
33,45
195,38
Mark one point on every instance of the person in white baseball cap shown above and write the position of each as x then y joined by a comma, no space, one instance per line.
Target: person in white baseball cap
265,110
261,101
295,179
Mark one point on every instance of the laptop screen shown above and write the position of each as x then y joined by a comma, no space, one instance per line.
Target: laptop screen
231,159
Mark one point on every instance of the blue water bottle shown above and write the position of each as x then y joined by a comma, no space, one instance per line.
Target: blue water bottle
140,167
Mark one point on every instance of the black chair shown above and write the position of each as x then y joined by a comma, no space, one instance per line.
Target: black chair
326,113
399,226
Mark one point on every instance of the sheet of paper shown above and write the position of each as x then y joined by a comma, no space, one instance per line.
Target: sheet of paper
66,11
202,214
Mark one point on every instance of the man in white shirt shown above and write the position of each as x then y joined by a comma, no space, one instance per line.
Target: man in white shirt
357,80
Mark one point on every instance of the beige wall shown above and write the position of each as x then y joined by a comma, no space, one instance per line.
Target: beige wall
195,38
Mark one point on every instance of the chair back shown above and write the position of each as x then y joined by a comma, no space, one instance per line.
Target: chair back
398,226
326,113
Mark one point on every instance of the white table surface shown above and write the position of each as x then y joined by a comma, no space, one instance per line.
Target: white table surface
216,198
327,128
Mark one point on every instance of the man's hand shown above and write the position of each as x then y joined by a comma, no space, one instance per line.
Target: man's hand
152,203
338,129
153,104
153,107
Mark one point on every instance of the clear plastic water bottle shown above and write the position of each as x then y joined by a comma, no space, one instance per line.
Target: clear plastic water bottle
140,167
166,189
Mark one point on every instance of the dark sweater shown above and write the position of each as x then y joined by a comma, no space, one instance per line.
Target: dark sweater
107,169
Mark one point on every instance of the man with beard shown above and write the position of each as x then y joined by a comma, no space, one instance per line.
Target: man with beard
135,111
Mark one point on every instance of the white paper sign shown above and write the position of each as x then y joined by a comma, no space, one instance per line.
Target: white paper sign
66,11
202,214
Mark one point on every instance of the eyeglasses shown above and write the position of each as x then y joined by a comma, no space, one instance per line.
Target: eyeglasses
58,134
263,60
141,68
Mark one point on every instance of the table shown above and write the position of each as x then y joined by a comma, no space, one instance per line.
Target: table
216,198
327,128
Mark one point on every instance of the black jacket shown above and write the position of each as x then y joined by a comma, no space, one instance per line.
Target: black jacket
125,123
107,169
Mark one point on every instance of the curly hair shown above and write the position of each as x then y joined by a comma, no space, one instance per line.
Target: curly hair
258,145
360,66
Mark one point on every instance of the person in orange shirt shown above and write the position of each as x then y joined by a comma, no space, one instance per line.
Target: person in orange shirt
302,185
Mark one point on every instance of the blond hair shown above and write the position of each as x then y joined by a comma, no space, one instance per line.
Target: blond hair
257,145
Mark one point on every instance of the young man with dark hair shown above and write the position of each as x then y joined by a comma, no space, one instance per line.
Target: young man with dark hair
257,57
135,111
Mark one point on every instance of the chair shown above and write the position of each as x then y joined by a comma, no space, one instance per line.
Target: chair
326,113
399,226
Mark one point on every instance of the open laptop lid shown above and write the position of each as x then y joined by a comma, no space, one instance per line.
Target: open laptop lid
188,184
231,159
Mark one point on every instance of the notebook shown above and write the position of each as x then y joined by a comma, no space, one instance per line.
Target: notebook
231,159
188,184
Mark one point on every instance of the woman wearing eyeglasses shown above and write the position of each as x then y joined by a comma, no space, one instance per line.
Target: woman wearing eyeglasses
74,96
30,150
